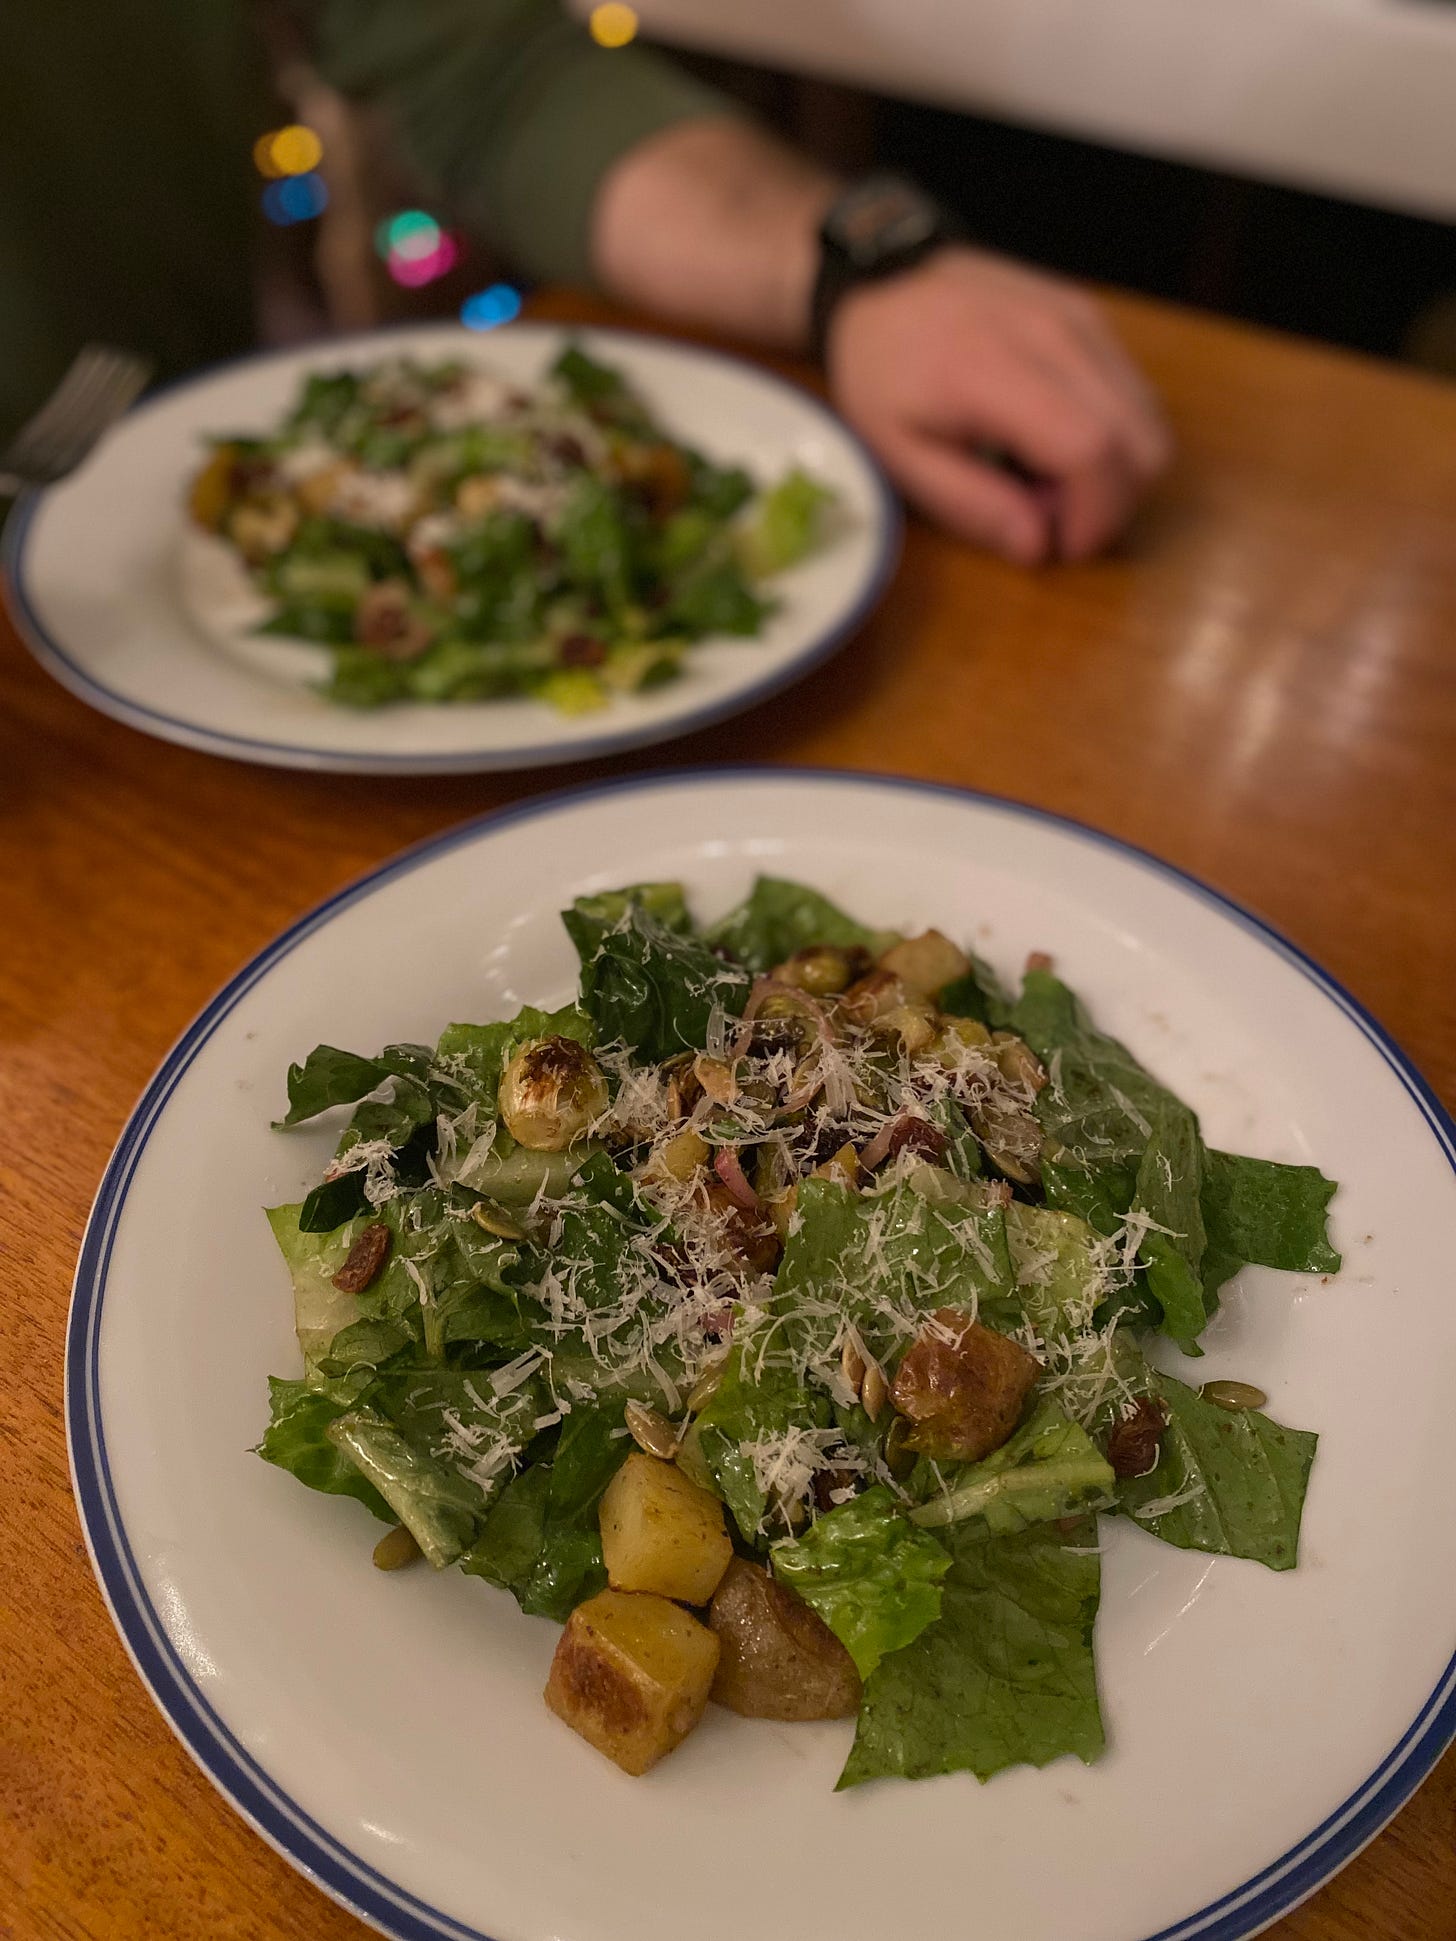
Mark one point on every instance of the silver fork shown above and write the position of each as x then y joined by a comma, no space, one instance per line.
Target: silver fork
99,386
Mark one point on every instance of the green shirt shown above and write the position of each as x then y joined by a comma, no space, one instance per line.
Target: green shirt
130,210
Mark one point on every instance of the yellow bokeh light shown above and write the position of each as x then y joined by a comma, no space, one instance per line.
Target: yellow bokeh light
612,24
287,151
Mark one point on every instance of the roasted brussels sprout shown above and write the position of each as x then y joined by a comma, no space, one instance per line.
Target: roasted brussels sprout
823,970
552,1091
961,1386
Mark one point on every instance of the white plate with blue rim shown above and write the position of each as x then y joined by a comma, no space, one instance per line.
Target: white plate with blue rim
152,622
387,1733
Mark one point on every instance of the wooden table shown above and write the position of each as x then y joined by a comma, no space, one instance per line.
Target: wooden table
1261,687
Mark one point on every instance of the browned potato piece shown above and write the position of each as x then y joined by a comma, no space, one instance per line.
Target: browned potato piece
632,1675
658,472
780,1660
870,997
661,1532
212,489
927,962
961,1387
842,1167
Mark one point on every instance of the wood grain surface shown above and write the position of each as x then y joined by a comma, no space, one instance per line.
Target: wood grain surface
1261,686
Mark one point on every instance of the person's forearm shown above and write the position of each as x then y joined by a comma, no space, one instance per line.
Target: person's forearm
714,222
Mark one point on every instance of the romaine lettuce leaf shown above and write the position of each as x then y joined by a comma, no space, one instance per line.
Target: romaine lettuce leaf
979,994
1060,1275
785,525
540,1540
752,1411
320,1310
365,1345
1273,1215
664,901
1169,1182
962,1155
435,1504
779,917
871,1576
297,1439
1050,1468
1005,1676
868,1258
1100,1103
646,985
328,1077
456,1417
713,597
595,536
1227,1481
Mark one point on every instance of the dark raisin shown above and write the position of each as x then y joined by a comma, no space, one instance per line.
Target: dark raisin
366,1257
826,1482
1134,1444
918,1135
581,650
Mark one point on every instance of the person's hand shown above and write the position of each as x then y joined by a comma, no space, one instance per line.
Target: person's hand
966,361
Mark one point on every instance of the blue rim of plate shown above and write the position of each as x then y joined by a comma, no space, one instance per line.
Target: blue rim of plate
325,1860
59,662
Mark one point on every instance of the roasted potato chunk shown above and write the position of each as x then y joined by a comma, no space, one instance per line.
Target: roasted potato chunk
212,489
961,1387
632,1675
779,1659
661,1533
927,962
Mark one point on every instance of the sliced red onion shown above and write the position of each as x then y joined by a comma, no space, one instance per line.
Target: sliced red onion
726,1166
896,1134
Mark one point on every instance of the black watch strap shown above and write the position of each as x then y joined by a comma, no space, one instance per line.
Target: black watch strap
875,228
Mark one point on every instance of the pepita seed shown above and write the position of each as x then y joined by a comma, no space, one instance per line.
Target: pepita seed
395,1549
853,1363
494,1219
651,1431
874,1391
707,1385
899,1456
1016,1061
1234,1395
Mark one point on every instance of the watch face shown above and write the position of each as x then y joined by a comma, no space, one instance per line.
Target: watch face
883,218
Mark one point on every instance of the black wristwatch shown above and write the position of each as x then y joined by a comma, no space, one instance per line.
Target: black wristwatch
877,227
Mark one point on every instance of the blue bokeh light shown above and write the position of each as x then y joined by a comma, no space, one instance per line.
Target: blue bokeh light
487,308
297,198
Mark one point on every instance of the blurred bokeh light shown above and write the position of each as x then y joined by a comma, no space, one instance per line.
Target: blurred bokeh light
487,308
612,24
295,198
415,249
295,150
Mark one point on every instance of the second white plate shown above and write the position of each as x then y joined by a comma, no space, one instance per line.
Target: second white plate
106,579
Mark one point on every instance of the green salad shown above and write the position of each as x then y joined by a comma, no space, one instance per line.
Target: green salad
782,1317
451,537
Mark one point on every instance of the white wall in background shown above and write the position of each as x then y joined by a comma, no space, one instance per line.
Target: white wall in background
1351,97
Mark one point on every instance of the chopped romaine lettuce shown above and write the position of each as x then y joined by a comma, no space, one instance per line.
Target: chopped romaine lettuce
648,984
786,524
1050,1468
1005,1676
871,1575
297,1439
778,917
1228,1480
